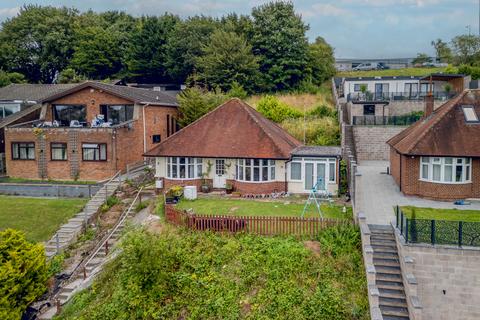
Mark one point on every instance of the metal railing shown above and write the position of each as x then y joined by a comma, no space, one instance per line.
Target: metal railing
396,96
456,233
404,120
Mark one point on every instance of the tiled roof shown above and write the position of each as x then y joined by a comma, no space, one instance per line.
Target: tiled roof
232,130
445,132
138,95
317,151
31,92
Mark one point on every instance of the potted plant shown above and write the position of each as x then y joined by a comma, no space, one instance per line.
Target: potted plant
205,185
229,187
173,194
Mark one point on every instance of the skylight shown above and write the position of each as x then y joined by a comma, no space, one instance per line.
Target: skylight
470,114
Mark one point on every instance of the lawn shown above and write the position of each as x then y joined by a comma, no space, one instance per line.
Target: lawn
443,214
39,218
48,181
178,274
247,207
391,72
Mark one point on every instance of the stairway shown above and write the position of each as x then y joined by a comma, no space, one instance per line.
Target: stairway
393,303
69,232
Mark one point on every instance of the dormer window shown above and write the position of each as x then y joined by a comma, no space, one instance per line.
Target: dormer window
470,114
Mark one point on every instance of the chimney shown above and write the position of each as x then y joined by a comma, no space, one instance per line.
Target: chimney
429,100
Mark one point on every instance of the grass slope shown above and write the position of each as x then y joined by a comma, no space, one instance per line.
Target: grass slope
237,207
443,214
39,218
391,72
185,275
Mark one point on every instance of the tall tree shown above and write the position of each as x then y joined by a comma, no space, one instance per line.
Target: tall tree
443,51
38,42
227,58
280,42
421,58
147,56
466,47
321,62
185,45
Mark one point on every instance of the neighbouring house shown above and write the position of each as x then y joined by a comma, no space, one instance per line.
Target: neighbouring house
235,145
438,157
88,131
391,100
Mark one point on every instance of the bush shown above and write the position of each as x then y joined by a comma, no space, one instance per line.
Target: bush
23,273
111,201
318,131
322,111
275,110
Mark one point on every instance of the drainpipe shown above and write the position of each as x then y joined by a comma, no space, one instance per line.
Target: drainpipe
400,178
144,129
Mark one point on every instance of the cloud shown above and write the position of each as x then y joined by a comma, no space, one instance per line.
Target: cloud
8,12
326,10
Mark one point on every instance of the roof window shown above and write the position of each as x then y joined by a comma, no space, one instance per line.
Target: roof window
470,114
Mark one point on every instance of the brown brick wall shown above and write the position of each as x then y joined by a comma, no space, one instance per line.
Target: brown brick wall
258,188
412,185
156,122
395,165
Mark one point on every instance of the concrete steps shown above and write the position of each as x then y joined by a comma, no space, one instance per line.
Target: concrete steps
388,276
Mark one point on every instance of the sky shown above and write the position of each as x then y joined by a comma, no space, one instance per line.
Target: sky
355,28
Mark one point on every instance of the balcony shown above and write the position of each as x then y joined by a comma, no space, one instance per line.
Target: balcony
396,96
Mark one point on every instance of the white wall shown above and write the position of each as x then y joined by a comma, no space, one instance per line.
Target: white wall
393,85
299,186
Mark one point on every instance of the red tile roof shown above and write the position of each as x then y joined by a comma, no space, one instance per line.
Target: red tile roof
445,132
232,130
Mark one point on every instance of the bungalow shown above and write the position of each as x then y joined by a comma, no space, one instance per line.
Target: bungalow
438,157
88,131
236,145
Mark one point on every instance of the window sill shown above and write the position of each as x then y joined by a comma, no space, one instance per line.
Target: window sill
182,179
446,182
256,182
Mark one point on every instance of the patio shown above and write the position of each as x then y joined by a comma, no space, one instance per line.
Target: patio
377,195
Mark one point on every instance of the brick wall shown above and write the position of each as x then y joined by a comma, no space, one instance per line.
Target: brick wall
395,165
370,141
448,285
259,188
411,185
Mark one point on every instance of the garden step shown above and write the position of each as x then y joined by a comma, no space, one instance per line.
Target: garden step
388,277
386,262
394,313
388,285
382,236
383,248
383,242
389,293
393,302
387,269
385,255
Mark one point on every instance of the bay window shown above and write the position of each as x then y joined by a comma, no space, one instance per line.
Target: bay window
184,168
255,170
445,169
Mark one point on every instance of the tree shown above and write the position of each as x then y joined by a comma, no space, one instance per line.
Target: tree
7,78
195,102
422,58
321,62
185,46
147,57
466,47
38,42
23,273
227,58
443,51
69,75
280,42
275,110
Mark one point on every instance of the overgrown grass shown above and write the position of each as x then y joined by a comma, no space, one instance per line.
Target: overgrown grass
45,181
39,218
239,207
443,214
318,131
391,72
186,275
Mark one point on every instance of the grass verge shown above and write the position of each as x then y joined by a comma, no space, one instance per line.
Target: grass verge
442,214
39,218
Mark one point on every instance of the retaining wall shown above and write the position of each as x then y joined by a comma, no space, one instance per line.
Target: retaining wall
371,141
48,190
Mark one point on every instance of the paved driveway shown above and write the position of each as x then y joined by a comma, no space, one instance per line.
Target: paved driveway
378,194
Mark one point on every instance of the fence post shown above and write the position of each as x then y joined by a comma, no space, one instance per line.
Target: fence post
432,229
401,223
460,233
406,230
397,215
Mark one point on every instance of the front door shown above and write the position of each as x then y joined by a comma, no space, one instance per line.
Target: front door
220,177
315,174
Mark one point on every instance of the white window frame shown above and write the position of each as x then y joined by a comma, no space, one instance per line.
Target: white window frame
195,164
430,162
328,165
241,168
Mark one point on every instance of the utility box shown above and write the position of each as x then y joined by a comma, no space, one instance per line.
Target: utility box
190,192
159,184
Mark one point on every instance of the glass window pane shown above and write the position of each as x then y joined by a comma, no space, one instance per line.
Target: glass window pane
265,173
467,173
425,171
425,159
182,171
199,170
240,171
256,174
458,173
308,176
174,170
447,173
295,171
256,162
272,173
248,173
436,172
321,176
103,152
332,172
448,160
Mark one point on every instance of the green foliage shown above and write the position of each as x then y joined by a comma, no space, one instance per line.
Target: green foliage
195,102
227,59
422,58
466,49
318,131
343,188
322,111
321,61
69,75
443,51
23,273
275,110
141,205
180,274
280,42
111,201
55,265
237,91
7,78
474,72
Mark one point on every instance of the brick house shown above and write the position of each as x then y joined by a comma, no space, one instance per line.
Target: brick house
234,144
438,157
89,131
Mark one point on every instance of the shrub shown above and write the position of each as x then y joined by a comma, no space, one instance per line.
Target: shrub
322,111
343,178
275,110
111,201
318,131
237,91
23,273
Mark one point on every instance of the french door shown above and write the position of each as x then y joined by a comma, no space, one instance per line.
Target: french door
315,173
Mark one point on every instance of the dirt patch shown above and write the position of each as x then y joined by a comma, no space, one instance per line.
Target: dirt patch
154,226
233,209
109,218
313,246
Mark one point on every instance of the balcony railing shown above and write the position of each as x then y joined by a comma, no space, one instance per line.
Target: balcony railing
405,120
396,96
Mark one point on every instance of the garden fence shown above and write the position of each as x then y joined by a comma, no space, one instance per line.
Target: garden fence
297,226
457,233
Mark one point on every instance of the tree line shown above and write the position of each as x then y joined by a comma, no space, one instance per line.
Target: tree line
265,51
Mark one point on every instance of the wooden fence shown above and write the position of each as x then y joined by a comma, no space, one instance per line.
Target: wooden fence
297,226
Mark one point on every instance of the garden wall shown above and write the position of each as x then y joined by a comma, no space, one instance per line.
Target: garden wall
371,141
48,190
